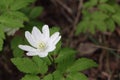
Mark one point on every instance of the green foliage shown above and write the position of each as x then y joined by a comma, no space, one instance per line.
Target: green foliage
30,77
2,37
81,64
19,4
35,12
11,18
99,15
48,77
65,58
43,67
61,64
14,45
76,76
26,65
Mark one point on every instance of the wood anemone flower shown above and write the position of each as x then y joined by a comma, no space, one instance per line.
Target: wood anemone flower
41,42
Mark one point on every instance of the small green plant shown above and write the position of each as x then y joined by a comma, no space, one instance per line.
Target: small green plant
11,17
45,58
102,15
50,61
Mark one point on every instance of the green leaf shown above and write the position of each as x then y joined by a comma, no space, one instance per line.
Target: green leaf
103,1
17,40
2,36
90,3
116,18
30,77
1,44
110,25
106,7
99,15
82,26
91,27
17,15
65,58
76,76
48,77
54,76
57,75
4,5
10,22
82,64
19,4
36,11
43,67
100,25
65,53
25,65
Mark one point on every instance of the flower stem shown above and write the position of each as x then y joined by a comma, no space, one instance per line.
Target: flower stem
50,58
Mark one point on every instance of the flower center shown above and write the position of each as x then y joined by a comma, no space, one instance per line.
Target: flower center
42,46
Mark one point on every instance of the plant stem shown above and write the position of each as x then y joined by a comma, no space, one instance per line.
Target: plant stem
50,58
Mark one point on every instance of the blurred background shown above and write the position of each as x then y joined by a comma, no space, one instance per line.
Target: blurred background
92,27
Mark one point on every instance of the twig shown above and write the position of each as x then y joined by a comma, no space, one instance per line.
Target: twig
70,20
76,18
107,48
78,13
64,6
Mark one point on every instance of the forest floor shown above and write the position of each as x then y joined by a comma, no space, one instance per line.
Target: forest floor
104,48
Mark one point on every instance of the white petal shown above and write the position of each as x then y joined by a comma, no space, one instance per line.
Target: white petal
57,40
31,54
51,48
36,33
54,36
45,31
30,38
43,54
26,48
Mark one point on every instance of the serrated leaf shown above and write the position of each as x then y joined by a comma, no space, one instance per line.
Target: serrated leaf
110,25
90,3
103,1
2,36
99,15
25,65
14,45
57,75
91,27
76,76
106,7
30,77
54,76
82,64
18,4
4,4
82,26
65,53
48,77
10,22
1,44
65,58
36,11
100,25
18,15
116,18
43,67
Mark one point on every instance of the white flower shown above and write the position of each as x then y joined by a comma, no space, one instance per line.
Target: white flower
41,42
